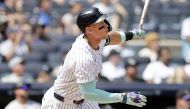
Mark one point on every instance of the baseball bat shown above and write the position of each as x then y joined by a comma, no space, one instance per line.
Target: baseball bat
143,13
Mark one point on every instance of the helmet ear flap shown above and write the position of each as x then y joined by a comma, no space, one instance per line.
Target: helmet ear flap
109,26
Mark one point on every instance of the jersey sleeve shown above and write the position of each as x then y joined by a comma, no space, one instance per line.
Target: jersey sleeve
84,71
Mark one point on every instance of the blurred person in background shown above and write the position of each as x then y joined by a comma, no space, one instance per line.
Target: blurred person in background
185,36
130,72
157,72
9,6
112,68
187,98
181,100
44,15
3,23
44,76
60,2
13,5
187,70
40,34
22,100
15,44
91,2
179,76
69,18
114,9
152,46
42,22
18,74
123,49
19,5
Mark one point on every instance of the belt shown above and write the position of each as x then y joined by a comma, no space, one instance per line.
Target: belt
60,98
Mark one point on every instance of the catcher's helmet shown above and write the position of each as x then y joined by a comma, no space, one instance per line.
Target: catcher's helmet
90,16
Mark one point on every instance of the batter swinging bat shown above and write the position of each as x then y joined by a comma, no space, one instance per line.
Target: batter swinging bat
143,13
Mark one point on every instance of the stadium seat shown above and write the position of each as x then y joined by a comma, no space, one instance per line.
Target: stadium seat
34,67
4,68
5,87
65,47
54,57
43,47
142,60
178,60
34,57
140,70
29,5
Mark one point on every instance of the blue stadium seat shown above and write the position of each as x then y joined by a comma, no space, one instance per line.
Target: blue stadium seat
43,47
178,60
140,70
4,68
34,67
142,60
34,57
29,5
54,57
5,87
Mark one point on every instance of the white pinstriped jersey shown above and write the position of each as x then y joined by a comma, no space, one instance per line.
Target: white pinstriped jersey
82,64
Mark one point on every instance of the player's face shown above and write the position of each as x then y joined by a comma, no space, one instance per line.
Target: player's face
100,29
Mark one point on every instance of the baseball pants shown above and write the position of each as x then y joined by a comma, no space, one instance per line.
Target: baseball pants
50,102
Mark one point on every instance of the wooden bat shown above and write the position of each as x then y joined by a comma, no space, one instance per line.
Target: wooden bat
143,13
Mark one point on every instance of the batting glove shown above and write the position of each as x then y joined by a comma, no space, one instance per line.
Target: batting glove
138,33
134,99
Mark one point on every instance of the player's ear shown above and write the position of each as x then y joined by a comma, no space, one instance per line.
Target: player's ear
88,29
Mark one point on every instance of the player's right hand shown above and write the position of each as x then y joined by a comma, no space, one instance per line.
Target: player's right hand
133,98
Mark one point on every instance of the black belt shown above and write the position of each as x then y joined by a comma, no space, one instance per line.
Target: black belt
60,98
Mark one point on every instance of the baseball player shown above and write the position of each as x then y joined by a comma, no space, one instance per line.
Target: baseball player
75,86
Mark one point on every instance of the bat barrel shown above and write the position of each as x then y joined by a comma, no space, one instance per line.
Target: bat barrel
143,13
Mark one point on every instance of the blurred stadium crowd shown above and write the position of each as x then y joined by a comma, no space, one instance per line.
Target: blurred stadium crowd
35,36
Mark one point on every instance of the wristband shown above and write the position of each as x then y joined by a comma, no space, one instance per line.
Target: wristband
122,36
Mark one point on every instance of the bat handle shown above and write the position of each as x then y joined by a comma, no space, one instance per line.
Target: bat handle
141,21
140,25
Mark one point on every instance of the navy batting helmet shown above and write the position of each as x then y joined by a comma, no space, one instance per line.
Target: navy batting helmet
91,16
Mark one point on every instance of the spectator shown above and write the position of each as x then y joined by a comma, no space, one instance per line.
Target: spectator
40,35
130,72
181,100
15,44
18,75
179,76
9,6
60,2
114,9
185,36
69,18
112,69
44,15
123,49
22,100
44,76
187,98
152,46
42,22
3,23
187,72
158,71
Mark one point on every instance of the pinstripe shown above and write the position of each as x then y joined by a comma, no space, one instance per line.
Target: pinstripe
82,64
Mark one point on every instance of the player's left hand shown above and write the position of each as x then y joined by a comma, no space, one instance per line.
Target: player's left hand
138,33
133,98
